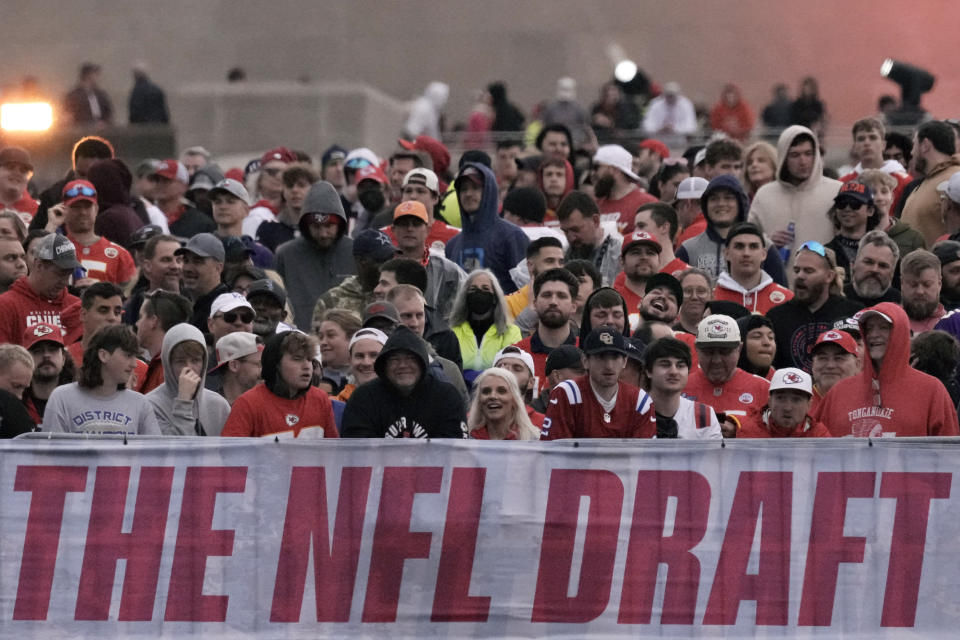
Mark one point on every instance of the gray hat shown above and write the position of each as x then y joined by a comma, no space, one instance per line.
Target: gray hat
205,245
267,287
231,186
58,250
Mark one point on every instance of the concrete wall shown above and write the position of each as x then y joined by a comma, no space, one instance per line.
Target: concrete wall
399,46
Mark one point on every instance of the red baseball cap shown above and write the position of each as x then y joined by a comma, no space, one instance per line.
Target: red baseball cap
372,172
657,147
172,170
77,190
840,338
437,151
280,153
42,332
640,237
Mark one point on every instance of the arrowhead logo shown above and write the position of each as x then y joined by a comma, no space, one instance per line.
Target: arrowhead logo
292,419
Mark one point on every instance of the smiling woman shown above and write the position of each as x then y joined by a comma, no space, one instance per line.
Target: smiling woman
497,411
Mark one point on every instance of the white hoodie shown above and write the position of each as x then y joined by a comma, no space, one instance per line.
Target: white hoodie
726,281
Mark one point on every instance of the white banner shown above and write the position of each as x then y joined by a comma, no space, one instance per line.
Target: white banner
244,538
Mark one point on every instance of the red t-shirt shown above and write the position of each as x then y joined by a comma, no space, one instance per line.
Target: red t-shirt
696,227
575,412
674,267
106,261
753,426
631,298
481,433
737,396
259,413
440,232
626,208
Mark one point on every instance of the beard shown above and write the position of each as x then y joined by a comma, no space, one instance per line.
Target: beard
920,165
920,309
604,187
580,251
869,288
811,293
553,319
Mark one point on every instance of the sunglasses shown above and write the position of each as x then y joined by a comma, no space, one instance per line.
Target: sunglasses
245,315
79,190
849,203
814,246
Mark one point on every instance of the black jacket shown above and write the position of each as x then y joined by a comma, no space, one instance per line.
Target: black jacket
14,418
890,295
147,102
796,328
201,307
377,409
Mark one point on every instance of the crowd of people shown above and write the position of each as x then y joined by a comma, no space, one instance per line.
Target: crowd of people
732,290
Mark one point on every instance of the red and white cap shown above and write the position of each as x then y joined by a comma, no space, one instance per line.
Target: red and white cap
792,379
640,237
172,170
371,172
42,332
838,337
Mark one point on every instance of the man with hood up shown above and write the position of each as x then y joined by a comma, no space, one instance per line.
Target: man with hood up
724,205
321,257
487,240
117,220
889,397
285,404
426,110
801,195
404,401
182,405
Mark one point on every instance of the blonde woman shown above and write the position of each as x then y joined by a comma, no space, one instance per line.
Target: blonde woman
759,166
497,411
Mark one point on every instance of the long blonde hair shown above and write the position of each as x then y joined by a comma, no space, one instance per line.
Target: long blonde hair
525,428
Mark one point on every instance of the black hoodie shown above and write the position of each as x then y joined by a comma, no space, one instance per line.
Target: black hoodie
116,218
377,409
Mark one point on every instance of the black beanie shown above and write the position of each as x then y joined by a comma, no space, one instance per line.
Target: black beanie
527,203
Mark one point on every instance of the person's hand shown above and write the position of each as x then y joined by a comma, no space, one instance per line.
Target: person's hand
728,425
55,217
782,238
188,384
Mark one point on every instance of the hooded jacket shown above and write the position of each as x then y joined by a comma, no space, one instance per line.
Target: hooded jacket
759,299
425,111
308,270
377,409
705,251
267,410
22,307
894,400
206,413
487,240
570,182
779,203
116,218
735,121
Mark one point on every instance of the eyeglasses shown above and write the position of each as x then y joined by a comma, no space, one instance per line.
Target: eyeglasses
814,246
849,203
245,315
79,190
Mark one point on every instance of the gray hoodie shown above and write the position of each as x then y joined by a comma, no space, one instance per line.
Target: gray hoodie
206,413
308,270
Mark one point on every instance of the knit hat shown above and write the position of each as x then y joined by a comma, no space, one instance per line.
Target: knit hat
527,203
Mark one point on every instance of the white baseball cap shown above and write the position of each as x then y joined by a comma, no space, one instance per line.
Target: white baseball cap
234,346
691,188
515,352
719,330
228,302
423,176
616,156
793,379
951,187
368,333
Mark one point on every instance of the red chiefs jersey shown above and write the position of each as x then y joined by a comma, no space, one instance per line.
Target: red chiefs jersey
575,412
440,232
739,395
22,307
106,261
625,209
261,413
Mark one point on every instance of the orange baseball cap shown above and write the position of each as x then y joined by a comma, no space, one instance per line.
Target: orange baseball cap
411,208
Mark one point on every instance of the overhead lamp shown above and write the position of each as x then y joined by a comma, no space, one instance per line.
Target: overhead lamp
26,116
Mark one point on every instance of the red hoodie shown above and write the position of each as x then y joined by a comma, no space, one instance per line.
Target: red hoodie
896,401
22,307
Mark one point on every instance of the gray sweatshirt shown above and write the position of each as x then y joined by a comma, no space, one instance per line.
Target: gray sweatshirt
72,409
206,413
